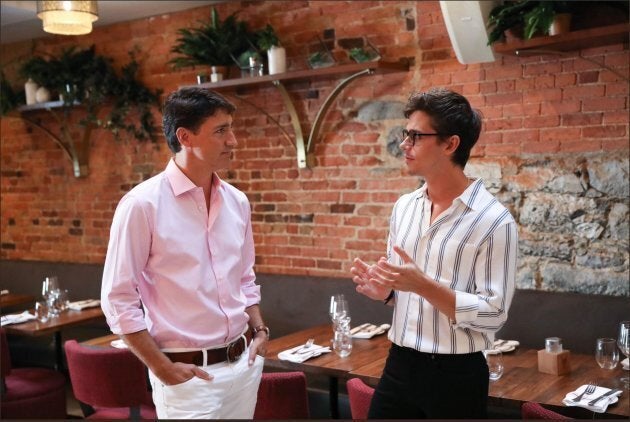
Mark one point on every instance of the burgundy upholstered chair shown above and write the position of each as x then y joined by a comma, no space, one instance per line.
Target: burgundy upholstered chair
360,396
30,393
109,383
531,410
282,395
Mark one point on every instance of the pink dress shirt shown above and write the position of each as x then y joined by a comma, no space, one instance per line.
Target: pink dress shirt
172,268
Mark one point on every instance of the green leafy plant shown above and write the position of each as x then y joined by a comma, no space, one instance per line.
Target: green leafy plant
9,99
533,16
82,76
213,43
266,38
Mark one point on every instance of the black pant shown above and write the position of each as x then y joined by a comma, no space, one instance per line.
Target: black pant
418,385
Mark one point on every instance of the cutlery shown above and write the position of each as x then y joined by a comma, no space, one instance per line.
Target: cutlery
360,328
590,389
314,350
305,346
606,394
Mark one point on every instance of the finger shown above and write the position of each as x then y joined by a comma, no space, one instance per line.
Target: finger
359,280
360,264
377,271
358,273
384,283
396,269
406,258
201,373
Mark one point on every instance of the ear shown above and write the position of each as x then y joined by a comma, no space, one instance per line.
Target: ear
451,144
183,136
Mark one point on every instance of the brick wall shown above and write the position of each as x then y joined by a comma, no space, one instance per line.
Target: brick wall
539,109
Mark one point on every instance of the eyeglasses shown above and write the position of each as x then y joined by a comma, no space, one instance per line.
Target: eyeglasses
414,136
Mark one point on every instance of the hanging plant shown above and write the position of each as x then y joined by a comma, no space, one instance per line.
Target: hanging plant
82,76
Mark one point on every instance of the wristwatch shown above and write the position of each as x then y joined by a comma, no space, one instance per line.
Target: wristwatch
257,329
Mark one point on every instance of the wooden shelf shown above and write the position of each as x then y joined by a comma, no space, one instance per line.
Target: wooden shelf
354,70
378,67
575,40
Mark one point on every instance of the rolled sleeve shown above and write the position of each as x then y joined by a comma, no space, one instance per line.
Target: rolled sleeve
495,274
127,254
248,285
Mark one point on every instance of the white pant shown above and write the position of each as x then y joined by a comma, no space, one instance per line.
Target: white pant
230,395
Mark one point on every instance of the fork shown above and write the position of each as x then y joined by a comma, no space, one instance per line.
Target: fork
306,345
590,389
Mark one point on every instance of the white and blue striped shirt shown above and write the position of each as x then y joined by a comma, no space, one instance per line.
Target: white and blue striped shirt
471,248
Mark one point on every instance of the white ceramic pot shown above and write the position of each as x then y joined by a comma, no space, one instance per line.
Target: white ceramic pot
42,94
277,57
30,88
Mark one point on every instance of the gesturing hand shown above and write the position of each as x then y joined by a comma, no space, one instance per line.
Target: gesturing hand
405,278
365,285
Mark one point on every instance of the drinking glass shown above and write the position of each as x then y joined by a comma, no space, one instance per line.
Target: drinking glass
49,285
342,341
333,304
606,353
494,358
41,311
623,341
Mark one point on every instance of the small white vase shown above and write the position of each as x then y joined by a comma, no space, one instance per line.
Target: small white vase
30,89
42,94
277,57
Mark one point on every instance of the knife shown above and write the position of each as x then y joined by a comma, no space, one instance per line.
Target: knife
606,394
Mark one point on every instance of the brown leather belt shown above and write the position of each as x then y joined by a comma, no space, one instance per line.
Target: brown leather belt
231,353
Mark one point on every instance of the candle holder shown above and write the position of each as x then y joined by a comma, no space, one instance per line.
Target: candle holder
553,359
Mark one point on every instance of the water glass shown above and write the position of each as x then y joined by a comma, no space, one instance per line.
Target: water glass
342,341
494,358
606,353
41,311
623,341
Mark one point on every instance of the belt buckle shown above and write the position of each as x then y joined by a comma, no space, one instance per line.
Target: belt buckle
231,351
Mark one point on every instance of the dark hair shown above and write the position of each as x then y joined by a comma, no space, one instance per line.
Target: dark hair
189,108
450,114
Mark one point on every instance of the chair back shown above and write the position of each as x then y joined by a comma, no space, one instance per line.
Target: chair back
282,395
360,396
531,410
5,356
106,377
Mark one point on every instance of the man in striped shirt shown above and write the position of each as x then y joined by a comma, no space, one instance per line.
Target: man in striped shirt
450,270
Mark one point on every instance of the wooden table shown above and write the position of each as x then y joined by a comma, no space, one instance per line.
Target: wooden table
54,326
521,382
364,351
9,300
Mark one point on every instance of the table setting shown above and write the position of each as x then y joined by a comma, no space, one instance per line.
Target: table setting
16,318
303,352
592,397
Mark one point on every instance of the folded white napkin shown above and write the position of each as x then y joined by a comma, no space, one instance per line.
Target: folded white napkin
119,344
83,304
600,406
16,318
4,292
506,345
369,330
625,364
300,353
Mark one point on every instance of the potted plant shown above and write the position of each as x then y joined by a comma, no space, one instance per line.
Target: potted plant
82,76
211,44
532,17
267,40
367,53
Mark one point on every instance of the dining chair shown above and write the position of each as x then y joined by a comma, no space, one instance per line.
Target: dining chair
282,395
360,396
109,383
29,393
531,410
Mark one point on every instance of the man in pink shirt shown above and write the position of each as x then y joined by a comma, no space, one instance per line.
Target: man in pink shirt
178,283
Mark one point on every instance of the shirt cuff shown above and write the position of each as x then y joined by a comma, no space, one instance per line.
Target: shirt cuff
466,307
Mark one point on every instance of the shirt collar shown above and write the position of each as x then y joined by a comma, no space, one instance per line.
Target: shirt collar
471,197
180,183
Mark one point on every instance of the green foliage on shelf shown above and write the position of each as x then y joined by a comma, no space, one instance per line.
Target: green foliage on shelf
82,76
213,43
532,16
266,38
9,99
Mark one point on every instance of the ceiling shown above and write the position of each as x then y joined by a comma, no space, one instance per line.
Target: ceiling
19,20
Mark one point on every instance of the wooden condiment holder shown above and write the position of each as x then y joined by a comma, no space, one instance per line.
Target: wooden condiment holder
554,363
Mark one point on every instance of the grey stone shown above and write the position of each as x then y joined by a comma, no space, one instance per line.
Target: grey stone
566,278
380,110
489,172
609,176
589,230
618,222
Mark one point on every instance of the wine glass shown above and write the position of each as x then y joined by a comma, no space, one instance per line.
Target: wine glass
332,310
49,285
623,341
606,353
